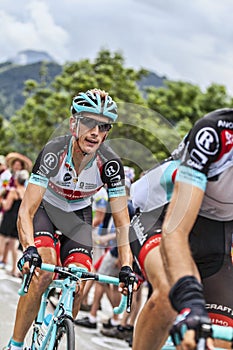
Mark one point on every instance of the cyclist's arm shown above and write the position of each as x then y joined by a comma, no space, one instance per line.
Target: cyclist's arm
181,215
121,219
30,203
175,251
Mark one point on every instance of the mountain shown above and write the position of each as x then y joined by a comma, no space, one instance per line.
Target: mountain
12,78
152,79
27,65
31,56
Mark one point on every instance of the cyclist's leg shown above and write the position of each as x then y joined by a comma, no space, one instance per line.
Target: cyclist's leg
216,269
156,317
76,245
29,304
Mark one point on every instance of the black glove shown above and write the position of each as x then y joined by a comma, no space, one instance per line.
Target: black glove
31,255
186,297
128,277
125,273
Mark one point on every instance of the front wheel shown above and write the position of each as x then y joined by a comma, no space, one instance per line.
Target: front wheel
65,337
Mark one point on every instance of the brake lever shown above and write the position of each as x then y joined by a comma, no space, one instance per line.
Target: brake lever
130,292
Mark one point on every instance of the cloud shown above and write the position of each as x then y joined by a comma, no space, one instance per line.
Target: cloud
35,30
182,40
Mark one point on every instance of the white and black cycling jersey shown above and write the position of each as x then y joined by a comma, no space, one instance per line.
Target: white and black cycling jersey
203,159
54,170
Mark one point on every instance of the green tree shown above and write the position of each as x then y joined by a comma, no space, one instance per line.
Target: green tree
214,97
176,101
48,107
149,128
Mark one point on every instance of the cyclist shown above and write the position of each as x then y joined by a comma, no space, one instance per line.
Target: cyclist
67,172
189,265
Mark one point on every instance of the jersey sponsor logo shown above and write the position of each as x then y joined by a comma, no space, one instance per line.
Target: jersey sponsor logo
78,250
116,192
229,138
63,184
116,178
155,241
207,140
42,170
226,142
68,193
43,233
139,231
50,161
67,177
115,184
220,308
37,179
225,124
90,186
198,159
112,168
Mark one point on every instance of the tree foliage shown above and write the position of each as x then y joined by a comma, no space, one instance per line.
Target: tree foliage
150,125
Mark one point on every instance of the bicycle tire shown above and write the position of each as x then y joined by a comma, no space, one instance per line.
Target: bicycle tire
65,337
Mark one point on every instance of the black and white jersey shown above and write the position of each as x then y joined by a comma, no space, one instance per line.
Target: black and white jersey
205,160
68,191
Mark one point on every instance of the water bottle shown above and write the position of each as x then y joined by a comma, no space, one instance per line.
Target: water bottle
43,329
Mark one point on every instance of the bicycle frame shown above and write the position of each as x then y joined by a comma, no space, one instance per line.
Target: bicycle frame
64,308
65,304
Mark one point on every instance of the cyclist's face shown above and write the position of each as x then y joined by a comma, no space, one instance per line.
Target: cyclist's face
92,130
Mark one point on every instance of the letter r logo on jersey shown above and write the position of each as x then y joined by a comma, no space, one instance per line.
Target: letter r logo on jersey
207,140
112,168
50,160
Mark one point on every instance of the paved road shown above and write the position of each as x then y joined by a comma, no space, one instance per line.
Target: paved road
86,339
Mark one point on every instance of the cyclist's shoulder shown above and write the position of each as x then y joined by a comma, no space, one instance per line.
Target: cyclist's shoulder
49,156
211,127
208,145
219,118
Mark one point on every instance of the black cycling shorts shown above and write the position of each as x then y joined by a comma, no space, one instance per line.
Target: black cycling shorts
76,228
210,243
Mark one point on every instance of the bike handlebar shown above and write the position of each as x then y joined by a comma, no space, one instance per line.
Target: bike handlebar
79,273
218,332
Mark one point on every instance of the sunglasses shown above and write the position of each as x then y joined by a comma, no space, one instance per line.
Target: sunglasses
91,123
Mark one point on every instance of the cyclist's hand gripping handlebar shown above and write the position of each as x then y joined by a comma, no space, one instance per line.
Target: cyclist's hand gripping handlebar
29,255
128,277
186,297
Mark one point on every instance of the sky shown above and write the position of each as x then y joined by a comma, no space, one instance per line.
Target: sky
181,39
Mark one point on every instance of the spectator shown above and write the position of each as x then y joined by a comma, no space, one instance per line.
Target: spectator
10,206
5,176
15,162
